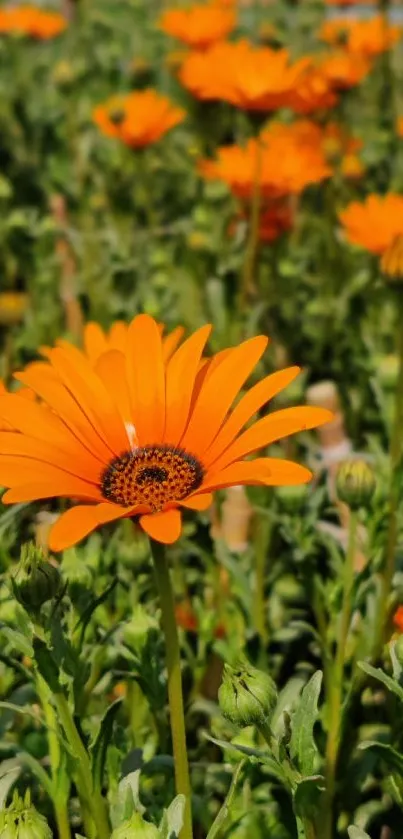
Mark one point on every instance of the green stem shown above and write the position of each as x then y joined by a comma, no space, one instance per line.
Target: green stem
262,540
394,487
93,800
59,798
175,694
247,278
336,693
223,813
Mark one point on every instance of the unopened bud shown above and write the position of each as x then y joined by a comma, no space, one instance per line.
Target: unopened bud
292,498
137,630
21,821
135,828
247,696
355,483
35,580
392,262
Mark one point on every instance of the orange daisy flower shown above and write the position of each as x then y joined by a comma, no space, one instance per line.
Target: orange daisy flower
337,145
254,78
374,224
285,164
198,26
313,93
344,70
28,20
138,118
367,38
135,437
398,618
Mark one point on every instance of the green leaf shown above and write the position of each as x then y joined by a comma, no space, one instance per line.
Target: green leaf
47,665
307,796
387,753
172,819
302,744
88,612
357,833
101,743
18,641
386,680
256,756
9,772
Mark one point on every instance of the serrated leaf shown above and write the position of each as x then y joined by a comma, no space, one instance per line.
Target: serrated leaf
357,833
387,753
172,819
101,742
386,680
307,796
302,744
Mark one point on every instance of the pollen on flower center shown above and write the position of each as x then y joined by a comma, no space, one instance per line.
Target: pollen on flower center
151,475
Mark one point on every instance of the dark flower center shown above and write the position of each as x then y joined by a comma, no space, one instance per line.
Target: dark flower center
151,475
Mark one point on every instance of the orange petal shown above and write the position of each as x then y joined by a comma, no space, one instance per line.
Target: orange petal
146,379
163,527
180,379
198,502
78,522
32,419
266,471
253,400
170,343
74,461
111,368
94,341
271,428
118,336
50,485
218,393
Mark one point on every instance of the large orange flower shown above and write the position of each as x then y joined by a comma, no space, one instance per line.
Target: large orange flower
138,118
254,78
331,140
367,38
376,223
28,20
285,164
344,70
135,437
198,26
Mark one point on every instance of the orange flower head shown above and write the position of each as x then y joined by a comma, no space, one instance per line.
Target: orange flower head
344,70
137,119
398,618
352,168
367,38
253,78
28,20
199,26
284,164
314,93
375,223
392,260
135,437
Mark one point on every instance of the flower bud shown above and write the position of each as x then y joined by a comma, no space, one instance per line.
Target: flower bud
136,631
292,498
135,828
247,696
35,580
21,821
355,483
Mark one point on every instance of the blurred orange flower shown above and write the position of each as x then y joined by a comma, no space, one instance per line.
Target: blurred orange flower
254,78
286,165
198,26
338,146
368,38
398,618
138,118
344,70
375,223
28,20
276,218
400,126
313,93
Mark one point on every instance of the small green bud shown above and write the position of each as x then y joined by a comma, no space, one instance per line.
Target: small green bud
135,828
21,821
292,498
247,696
136,631
35,580
355,483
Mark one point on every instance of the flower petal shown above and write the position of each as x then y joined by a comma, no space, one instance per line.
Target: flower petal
250,403
198,501
170,343
164,527
111,368
94,341
180,379
266,471
51,486
73,460
218,392
79,521
146,379
271,428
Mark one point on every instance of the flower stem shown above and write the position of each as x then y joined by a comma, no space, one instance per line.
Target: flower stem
175,693
336,693
395,462
93,800
247,277
262,540
59,798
